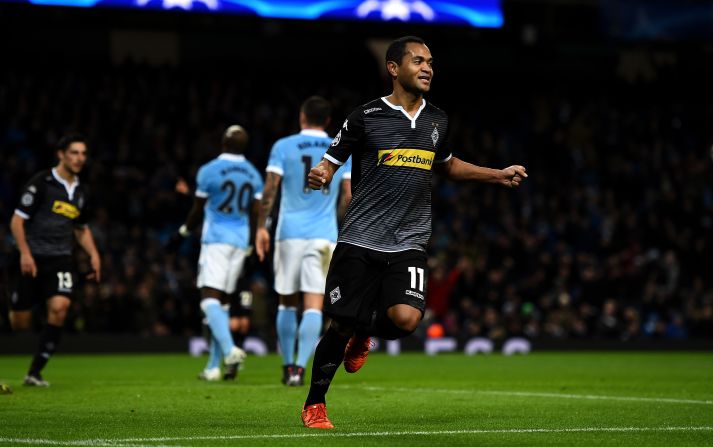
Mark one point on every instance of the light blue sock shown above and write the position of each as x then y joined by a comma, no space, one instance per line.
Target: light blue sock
286,332
214,354
310,328
219,323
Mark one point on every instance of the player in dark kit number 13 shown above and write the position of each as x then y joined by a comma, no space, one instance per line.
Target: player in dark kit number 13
376,280
51,215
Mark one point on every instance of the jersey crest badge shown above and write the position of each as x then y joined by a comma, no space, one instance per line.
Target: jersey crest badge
27,199
335,295
434,135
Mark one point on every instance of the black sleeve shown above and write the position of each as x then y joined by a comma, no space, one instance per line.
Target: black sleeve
32,194
443,151
84,209
349,139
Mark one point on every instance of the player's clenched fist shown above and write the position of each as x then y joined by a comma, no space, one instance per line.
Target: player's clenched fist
513,176
320,175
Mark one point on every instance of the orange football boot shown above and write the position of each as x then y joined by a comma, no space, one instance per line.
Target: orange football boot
355,353
315,416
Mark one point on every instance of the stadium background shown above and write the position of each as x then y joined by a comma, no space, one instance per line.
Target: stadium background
609,108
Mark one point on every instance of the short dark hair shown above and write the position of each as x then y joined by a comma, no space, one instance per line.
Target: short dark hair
67,139
317,110
397,48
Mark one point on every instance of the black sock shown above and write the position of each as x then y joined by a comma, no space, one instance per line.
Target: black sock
49,339
238,339
327,358
387,330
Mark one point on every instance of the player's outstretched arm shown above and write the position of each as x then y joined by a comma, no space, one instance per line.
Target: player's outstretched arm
85,239
457,169
262,236
321,175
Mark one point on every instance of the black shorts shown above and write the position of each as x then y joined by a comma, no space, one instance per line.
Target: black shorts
241,303
56,275
362,281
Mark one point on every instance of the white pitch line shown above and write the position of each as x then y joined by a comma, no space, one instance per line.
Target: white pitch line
327,434
78,442
538,394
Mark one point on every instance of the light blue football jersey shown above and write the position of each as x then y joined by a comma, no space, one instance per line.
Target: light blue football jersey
305,213
230,183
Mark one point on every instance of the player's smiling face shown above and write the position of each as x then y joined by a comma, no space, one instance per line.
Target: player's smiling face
416,70
74,157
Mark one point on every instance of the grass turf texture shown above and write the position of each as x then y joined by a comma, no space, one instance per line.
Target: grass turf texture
548,399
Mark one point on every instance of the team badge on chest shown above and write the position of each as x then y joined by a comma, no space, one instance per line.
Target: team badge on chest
434,135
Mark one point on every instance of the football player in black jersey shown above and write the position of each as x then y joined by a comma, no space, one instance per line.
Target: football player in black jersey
376,280
49,218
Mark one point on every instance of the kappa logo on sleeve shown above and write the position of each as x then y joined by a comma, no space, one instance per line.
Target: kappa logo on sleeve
410,158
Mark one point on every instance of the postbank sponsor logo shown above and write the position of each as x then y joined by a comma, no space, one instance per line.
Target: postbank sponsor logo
410,158
65,209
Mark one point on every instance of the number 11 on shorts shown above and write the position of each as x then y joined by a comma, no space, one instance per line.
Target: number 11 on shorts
415,271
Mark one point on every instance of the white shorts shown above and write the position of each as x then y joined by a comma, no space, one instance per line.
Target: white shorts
301,265
219,266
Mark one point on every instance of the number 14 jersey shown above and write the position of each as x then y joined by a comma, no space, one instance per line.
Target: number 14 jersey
305,213
229,183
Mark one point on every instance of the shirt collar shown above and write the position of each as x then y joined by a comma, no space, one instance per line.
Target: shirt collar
314,133
415,117
231,157
69,187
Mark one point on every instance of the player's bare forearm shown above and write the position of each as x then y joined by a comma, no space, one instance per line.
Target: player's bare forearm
321,175
459,170
344,198
272,183
85,239
27,262
254,215
195,215
17,227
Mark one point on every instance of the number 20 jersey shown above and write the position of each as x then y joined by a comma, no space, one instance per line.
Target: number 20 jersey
230,183
305,213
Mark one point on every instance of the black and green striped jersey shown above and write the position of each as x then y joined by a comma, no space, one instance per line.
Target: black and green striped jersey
392,160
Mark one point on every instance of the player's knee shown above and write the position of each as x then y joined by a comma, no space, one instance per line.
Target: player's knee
20,321
405,319
406,323
56,317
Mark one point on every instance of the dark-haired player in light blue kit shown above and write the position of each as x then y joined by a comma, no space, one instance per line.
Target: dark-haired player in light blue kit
306,234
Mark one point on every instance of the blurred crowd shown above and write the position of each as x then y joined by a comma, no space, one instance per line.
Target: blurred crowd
611,236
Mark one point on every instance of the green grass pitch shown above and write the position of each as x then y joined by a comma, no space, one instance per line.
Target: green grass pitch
543,399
